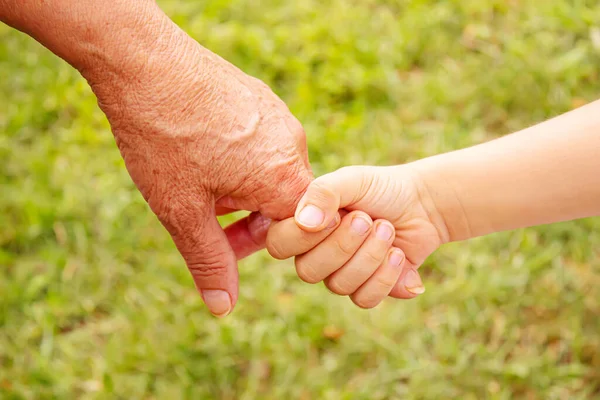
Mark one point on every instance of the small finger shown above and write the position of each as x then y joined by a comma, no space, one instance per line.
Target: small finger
365,262
381,283
409,284
336,250
285,239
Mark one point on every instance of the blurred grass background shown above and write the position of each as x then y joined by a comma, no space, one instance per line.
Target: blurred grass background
96,303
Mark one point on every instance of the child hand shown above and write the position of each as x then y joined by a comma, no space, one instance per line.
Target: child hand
395,194
353,255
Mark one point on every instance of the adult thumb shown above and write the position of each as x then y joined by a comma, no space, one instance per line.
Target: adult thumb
204,246
327,194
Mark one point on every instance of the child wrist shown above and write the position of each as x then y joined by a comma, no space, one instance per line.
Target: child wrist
440,197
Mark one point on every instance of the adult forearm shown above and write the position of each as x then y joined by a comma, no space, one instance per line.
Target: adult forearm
122,47
544,174
96,37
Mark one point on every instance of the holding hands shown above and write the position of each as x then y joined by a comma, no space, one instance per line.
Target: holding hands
364,231
200,138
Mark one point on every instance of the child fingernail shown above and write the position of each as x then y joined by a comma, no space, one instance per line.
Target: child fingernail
311,216
360,225
413,283
384,232
396,258
217,301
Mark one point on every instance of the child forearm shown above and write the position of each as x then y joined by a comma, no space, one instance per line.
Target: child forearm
547,173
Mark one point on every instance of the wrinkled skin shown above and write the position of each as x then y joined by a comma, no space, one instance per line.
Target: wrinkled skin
201,138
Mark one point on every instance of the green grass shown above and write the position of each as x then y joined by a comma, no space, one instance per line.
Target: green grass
96,303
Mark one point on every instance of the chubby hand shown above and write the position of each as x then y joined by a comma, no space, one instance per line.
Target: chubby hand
353,255
406,230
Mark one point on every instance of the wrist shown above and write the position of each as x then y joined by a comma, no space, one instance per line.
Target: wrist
119,43
82,32
442,199
141,65
101,39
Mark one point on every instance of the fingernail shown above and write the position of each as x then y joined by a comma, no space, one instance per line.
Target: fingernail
384,232
258,226
334,222
258,222
396,258
413,283
311,216
360,225
217,301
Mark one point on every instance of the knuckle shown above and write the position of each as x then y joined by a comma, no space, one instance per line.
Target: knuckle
305,271
275,248
386,282
344,248
204,260
319,185
365,303
175,213
320,192
307,240
208,266
339,286
373,256
299,131
286,188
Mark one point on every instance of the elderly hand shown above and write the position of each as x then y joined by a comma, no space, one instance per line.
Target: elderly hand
199,137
